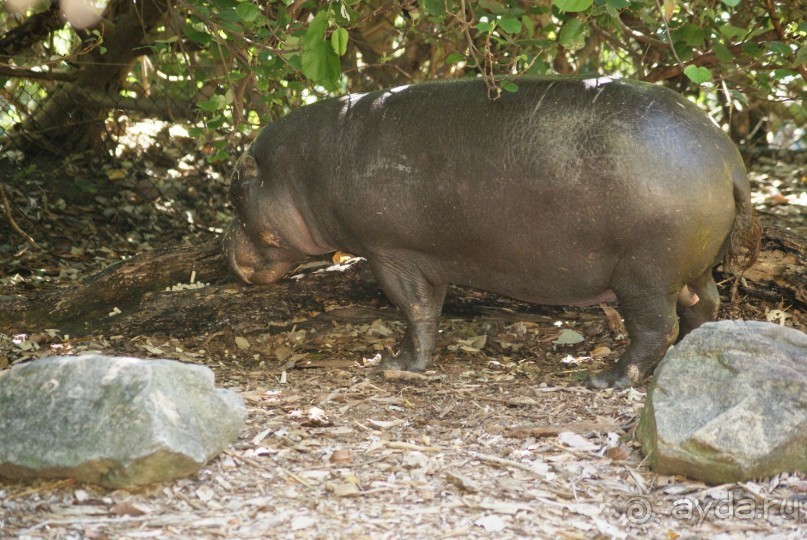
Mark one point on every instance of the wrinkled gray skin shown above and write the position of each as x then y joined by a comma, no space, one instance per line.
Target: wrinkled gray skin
569,191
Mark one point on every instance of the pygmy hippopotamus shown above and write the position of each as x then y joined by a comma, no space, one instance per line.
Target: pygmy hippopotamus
568,191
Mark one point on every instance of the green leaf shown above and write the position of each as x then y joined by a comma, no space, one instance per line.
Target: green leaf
722,52
732,31
528,22
283,19
199,36
85,186
510,86
247,11
454,57
617,4
492,6
572,6
740,97
539,67
511,26
731,3
691,34
214,104
319,61
569,337
779,48
485,27
321,65
339,40
573,34
219,156
216,122
752,49
780,74
294,60
435,7
613,13
267,58
698,75
315,32
684,51
801,56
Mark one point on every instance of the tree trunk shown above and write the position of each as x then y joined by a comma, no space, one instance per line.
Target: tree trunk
70,121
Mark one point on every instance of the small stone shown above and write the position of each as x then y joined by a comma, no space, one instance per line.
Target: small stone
618,453
415,460
344,489
114,421
302,522
341,456
728,404
491,523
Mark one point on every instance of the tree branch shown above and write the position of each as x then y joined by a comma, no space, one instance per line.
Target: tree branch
164,109
628,24
662,73
11,221
777,26
33,30
30,74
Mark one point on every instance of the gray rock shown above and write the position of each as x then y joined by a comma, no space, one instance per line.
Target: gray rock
114,421
729,403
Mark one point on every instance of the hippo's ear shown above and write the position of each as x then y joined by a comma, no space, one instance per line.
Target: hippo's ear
248,167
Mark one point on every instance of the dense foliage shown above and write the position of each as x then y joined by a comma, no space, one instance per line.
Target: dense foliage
232,65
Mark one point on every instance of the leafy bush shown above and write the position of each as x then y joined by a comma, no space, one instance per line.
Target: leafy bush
232,65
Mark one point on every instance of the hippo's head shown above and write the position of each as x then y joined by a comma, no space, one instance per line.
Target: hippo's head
252,248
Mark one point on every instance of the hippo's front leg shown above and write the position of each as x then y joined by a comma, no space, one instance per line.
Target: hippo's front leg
652,326
421,302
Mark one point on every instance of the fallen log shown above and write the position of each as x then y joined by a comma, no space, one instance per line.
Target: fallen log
123,285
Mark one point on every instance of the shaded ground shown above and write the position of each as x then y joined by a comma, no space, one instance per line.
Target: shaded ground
499,440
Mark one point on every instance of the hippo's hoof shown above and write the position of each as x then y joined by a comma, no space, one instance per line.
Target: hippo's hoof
392,363
609,378
401,362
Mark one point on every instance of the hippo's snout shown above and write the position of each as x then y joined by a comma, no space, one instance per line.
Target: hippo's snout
234,247
254,265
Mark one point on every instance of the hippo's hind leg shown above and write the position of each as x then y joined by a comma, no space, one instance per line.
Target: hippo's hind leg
421,302
704,309
652,323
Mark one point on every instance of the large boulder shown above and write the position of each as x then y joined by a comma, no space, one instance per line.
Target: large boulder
729,403
114,421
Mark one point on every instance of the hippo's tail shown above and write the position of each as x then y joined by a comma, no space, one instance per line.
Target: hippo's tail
746,236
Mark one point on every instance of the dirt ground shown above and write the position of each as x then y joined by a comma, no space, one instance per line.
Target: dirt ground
500,440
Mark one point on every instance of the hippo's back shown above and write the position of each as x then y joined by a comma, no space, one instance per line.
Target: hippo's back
573,172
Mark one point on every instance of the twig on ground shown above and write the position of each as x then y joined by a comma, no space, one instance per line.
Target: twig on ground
7,206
